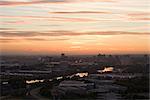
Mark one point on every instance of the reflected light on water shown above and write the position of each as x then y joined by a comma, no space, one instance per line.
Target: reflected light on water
106,69
82,74
58,78
34,81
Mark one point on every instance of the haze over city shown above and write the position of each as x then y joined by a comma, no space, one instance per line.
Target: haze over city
74,26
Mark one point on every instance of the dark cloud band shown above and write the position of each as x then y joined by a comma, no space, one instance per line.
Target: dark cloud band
65,33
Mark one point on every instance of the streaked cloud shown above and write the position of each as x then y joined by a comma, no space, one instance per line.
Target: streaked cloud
9,40
16,22
140,19
81,12
138,14
73,19
94,0
28,2
12,40
29,16
44,39
65,33
145,16
5,29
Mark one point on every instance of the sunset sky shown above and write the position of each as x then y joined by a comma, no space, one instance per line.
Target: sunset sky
74,26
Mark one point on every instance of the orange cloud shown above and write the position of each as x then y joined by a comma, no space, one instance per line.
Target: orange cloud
10,40
5,40
73,19
52,18
139,14
145,16
15,3
37,17
141,19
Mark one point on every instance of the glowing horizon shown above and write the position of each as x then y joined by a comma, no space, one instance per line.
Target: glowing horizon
74,26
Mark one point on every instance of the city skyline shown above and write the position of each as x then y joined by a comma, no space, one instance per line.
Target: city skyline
74,26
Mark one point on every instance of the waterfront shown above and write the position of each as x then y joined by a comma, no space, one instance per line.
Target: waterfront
76,77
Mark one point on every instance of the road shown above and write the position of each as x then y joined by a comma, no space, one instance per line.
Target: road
35,94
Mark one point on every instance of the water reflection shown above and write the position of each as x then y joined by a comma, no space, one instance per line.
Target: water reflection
81,74
58,78
34,81
106,69
78,74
